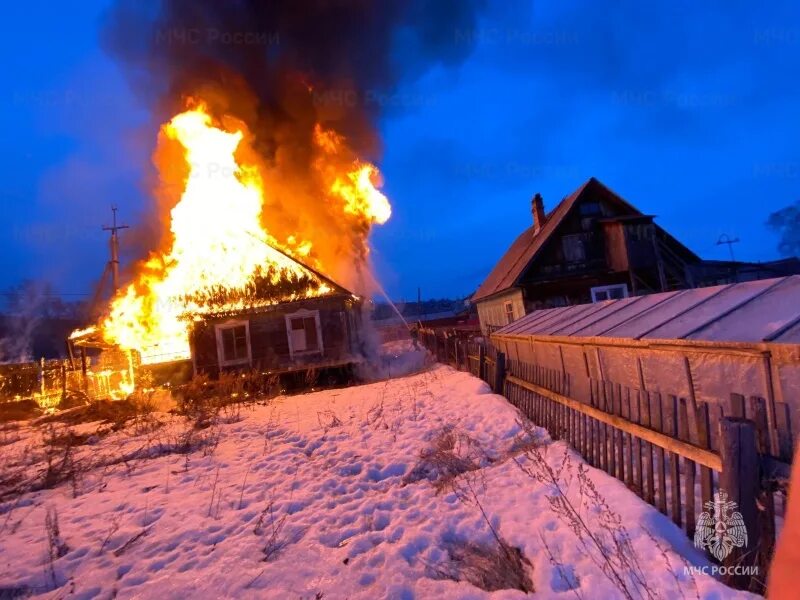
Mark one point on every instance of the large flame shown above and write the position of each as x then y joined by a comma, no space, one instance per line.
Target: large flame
221,257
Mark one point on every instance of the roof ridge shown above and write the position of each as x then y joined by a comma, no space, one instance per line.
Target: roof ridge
509,268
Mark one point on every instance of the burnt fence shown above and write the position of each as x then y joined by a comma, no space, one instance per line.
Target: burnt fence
676,453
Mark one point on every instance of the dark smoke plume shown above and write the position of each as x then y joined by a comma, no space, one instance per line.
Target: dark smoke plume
787,223
281,67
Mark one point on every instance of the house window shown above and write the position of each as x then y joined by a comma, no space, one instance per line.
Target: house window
509,310
574,248
303,328
233,343
609,292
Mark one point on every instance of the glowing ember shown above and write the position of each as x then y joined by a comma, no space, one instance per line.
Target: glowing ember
221,258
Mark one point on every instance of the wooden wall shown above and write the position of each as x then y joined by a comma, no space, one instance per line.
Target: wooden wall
340,324
492,312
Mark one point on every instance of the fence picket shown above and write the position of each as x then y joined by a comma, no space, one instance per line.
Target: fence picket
689,467
766,500
674,470
626,412
656,415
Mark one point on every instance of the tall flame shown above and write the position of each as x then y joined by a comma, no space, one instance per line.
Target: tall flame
221,257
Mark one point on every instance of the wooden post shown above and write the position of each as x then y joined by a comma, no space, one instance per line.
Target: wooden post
499,373
740,480
482,361
84,377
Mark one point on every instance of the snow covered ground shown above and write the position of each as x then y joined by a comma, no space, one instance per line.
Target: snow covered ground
326,495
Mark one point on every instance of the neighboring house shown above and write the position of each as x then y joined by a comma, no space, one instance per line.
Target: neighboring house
593,246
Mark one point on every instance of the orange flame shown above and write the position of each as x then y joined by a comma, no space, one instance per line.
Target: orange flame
221,257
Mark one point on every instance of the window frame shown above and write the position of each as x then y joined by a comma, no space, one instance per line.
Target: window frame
219,328
304,314
607,288
508,311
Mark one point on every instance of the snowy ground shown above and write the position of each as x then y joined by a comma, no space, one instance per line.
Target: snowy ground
323,496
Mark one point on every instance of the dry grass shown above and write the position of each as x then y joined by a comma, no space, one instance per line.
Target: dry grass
452,453
490,567
599,530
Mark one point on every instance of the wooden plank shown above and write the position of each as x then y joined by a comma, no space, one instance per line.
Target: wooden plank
584,436
500,373
608,430
783,424
758,414
656,414
647,449
600,455
689,468
608,444
770,372
737,406
619,440
658,439
628,449
740,480
674,467
636,445
704,441
766,500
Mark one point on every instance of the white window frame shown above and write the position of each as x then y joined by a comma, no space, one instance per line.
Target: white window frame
231,324
304,314
607,288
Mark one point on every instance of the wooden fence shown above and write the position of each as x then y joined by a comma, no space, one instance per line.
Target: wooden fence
48,382
673,452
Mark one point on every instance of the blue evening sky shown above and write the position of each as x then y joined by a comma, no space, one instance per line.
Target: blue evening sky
689,110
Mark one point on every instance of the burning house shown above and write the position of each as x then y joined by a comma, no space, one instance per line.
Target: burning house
265,189
223,292
322,332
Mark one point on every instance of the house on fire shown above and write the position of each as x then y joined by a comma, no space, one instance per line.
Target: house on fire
291,320
317,332
594,246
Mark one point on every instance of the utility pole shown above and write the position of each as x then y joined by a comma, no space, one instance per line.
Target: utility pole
726,239
114,262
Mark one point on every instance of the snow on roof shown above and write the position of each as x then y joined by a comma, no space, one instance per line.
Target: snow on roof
754,311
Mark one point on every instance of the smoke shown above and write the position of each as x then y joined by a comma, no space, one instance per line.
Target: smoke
283,67
787,223
30,313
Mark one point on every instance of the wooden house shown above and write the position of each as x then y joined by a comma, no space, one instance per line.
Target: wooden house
308,333
593,246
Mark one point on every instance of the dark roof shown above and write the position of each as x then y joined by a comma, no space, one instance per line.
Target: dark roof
763,310
507,272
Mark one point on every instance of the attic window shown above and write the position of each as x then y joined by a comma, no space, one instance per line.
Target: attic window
509,310
609,292
303,328
233,343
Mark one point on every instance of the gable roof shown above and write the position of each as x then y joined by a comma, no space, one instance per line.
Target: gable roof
507,272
